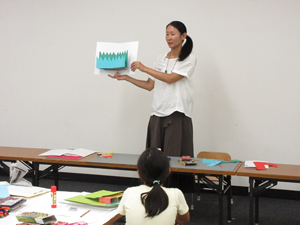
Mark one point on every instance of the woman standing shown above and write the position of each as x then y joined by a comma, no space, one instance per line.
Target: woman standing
170,126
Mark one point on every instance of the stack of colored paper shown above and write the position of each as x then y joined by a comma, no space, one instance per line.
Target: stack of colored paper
100,198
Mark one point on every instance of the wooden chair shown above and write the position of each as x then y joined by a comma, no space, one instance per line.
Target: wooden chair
209,155
213,155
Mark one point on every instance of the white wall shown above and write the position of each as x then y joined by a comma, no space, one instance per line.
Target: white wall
247,92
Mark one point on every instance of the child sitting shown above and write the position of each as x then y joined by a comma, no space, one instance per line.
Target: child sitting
151,203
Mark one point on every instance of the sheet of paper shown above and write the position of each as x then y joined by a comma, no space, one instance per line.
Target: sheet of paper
4,182
76,152
4,190
80,152
211,162
250,164
109,47
57,152
115,61
26,191
64,157
102,193
88,201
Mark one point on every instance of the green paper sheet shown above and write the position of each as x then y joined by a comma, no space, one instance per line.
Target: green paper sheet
102,193
93,198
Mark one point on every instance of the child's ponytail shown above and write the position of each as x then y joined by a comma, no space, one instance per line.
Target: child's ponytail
155,201
153,167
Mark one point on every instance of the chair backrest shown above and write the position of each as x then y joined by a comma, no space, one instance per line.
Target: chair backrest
213,155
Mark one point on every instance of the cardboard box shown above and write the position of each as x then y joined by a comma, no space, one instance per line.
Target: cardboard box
36,217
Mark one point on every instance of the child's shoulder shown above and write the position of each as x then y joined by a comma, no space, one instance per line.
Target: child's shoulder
172,190
137,188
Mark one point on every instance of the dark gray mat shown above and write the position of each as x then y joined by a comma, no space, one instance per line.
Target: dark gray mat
131,159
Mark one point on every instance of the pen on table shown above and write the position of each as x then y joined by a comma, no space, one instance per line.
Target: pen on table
85,213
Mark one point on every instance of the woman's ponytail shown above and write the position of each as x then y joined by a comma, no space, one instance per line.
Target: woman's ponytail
186,48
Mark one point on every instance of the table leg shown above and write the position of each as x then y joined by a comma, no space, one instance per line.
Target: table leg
256,199
36,177
55,174
251,195
229,197
220,192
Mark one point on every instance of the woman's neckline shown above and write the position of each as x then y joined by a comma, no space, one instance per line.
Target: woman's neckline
168,56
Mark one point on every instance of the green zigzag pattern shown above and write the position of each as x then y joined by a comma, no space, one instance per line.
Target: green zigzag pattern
112,60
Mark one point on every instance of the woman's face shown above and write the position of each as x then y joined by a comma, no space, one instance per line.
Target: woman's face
174,38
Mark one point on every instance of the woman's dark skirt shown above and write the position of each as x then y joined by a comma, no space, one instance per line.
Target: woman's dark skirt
173,134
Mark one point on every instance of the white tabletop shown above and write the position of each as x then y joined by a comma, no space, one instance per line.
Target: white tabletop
42,203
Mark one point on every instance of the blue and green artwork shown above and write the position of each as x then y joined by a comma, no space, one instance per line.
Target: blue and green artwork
112,61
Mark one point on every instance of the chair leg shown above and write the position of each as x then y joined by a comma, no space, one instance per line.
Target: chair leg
192,200
198,190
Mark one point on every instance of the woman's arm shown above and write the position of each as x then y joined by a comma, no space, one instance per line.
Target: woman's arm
114,219
145,84
183,218
168,78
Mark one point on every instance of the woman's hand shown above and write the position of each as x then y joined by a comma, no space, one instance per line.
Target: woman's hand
145,84
117,76
137,65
